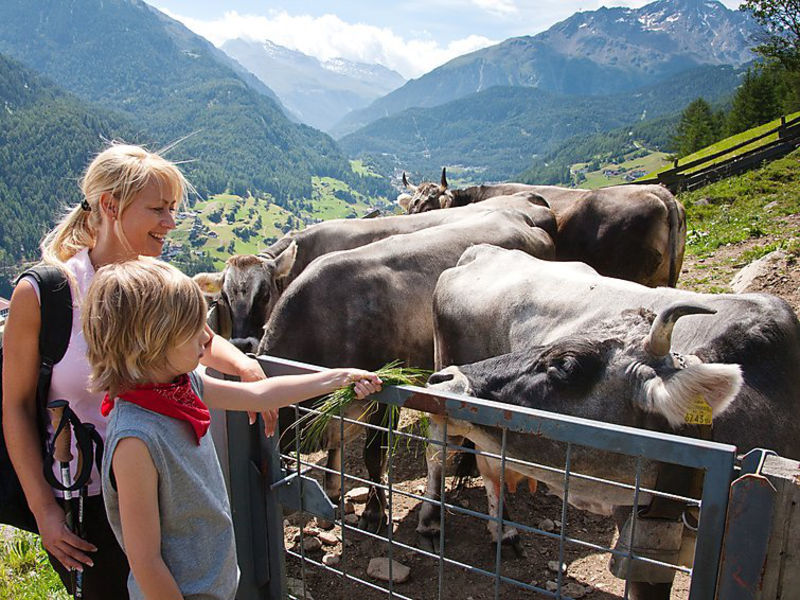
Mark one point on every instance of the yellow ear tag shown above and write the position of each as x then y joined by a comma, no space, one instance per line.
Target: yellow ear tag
698,413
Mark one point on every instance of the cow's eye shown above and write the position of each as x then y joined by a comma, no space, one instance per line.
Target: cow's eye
563,367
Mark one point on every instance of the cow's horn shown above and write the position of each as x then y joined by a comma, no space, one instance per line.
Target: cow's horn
413,188
660,339
444,178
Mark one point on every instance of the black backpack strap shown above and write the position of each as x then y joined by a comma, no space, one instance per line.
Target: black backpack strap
55,299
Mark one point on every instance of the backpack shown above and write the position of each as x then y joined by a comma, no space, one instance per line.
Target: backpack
56,311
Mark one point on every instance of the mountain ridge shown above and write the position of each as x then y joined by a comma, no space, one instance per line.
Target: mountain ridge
600,52
320,93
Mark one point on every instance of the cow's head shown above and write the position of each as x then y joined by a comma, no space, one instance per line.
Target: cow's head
427,195
620,372
249,288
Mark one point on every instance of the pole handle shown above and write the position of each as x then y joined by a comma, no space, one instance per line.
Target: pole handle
62,446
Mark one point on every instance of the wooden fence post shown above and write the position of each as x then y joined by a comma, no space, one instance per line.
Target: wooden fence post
781,577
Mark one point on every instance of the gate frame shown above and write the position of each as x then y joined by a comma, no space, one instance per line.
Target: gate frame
255,470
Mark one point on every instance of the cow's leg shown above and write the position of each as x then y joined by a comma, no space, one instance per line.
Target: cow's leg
429,525
374,517
641,590
506,535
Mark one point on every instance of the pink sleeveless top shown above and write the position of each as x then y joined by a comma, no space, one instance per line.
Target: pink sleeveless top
71,374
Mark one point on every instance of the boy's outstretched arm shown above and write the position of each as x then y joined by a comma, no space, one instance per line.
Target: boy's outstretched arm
137,486
277,392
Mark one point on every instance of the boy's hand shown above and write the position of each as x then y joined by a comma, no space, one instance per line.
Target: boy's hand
364,382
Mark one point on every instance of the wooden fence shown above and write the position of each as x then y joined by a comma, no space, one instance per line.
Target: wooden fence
679,178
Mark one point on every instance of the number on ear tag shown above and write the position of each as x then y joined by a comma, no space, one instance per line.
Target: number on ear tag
699,412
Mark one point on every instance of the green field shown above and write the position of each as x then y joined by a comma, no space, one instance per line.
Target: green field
226,224
597,179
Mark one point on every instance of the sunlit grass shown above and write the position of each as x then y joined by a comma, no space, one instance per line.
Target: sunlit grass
25,572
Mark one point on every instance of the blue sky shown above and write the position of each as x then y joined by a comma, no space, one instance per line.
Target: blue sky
412,37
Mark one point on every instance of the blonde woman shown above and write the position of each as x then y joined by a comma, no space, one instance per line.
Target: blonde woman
130,196
162,484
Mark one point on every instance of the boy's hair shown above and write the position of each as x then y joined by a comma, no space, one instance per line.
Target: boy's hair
134,313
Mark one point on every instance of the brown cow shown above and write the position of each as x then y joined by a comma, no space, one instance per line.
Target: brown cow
633,232
250,284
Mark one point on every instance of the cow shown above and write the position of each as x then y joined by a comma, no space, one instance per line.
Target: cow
250,285
562,338
371,305
633,232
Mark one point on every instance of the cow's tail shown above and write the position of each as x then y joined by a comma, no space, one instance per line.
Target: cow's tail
677,233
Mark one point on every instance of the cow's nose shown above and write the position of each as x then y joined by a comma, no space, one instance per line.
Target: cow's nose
440,378
245,344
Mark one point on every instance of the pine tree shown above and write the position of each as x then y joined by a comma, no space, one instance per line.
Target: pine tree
696,128
755,102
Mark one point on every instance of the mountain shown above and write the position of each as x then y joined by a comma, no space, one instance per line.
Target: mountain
610,50
319,93
494,134
174,85
48,138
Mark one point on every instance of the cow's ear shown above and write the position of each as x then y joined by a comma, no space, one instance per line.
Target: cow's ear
285,261
209,283
404,201
685,390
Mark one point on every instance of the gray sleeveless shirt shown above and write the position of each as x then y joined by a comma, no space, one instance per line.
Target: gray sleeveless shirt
197,542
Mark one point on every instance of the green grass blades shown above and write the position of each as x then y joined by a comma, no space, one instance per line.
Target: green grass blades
25,572
313,425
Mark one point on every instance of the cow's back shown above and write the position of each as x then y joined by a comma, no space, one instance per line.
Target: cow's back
369,305
537,302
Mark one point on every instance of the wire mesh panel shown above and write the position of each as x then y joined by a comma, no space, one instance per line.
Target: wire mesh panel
550,549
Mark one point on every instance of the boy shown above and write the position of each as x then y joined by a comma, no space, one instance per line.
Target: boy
162,483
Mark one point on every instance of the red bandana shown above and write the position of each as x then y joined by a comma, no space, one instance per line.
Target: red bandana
177,400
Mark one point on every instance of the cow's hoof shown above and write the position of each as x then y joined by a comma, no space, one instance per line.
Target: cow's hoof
378,525
649,591
515,543
428,543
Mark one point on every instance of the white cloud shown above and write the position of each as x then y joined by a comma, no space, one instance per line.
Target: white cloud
328,36
498,7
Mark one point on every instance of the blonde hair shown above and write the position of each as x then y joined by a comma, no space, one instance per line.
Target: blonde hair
134,313
122,170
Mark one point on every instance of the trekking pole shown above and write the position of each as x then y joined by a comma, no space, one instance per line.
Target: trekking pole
62,452
84,492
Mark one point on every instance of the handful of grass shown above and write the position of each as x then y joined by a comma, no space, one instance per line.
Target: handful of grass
335,404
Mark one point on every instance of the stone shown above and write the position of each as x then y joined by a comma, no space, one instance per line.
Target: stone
379,569
551,586
295,588
311,544
328,538
574,590
553,566
331,559
771,205
359,494
547,525
746,278
349,508
351,519
323,524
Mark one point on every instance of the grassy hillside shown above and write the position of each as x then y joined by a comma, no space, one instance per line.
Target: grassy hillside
730,142
226,224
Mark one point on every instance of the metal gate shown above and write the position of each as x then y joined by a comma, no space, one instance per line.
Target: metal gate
264,483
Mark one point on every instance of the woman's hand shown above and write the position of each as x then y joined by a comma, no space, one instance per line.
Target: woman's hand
68,548
250,370
364,382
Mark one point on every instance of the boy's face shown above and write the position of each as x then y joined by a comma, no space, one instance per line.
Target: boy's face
185,357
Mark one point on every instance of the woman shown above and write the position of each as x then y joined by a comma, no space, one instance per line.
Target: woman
130,199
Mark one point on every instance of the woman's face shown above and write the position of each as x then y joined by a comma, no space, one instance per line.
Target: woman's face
148,219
